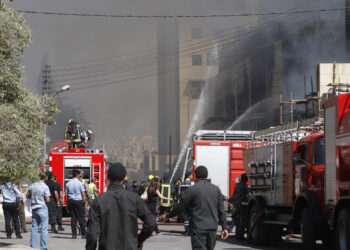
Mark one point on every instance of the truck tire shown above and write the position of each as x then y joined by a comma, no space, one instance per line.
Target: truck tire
308,230
274,234
256,228
343,230
327,236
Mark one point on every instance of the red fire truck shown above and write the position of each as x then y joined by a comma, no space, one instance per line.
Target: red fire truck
300,180
222,153
63,159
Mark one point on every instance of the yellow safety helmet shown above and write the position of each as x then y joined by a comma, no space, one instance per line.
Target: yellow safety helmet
150,177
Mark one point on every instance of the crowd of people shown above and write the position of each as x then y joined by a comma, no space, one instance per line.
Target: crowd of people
112,217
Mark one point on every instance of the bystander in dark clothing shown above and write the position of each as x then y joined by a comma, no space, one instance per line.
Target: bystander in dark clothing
240,195
52,204
11,198
59,208
112,223
152,200
142,188
76,204
204,205
134,187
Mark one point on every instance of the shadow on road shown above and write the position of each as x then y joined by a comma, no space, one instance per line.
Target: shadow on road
285,244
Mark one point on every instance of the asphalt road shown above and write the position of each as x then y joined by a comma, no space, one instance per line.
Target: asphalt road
170,238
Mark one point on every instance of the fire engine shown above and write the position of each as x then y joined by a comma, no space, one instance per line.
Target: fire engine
65,156
300,179
222,153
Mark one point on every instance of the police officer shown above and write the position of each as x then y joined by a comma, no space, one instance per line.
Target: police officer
11,198
204,204
113,216
76,203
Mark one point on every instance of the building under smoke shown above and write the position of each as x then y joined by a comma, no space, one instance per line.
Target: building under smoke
168,94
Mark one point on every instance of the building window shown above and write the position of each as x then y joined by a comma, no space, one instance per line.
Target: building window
196,33
196,60
212,57
194,89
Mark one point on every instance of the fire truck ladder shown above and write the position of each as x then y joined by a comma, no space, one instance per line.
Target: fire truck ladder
288,133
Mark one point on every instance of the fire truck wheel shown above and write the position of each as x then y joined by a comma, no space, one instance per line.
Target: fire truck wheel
343,230
275,234
308,231
256,230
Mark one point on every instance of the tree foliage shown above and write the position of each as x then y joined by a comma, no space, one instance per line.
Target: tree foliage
22,114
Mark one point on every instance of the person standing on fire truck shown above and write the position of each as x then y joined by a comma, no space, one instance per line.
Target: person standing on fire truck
76,203
204,205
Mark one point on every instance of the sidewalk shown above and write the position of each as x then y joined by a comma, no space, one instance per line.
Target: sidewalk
13,246
4,244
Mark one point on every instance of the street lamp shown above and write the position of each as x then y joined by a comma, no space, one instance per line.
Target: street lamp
61,90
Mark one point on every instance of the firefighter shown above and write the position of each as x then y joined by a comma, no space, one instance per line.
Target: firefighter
113,217
92,190
204,205
240,195
72,133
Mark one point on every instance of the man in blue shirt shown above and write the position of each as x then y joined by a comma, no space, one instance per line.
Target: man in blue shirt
11,196
76,203
39,194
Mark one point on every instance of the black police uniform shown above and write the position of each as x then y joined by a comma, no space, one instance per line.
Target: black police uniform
204,205
113,221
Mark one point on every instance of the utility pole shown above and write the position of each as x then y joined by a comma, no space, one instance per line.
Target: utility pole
46,80
170,152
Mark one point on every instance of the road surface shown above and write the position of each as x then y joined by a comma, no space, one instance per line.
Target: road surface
170,238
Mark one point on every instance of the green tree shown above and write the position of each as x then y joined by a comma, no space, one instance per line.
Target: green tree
22,114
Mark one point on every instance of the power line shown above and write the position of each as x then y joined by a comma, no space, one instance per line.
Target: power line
125,65
140,67
273,13
206,41
126,75
236,67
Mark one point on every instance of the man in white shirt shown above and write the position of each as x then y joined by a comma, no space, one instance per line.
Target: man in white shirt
11,196
75,191
39,194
